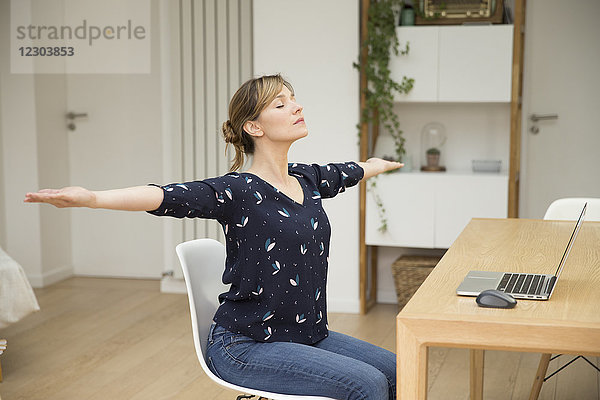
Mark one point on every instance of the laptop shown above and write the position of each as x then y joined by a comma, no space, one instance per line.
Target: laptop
519,285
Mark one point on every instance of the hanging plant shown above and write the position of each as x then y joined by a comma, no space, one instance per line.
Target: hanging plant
383,223
381,42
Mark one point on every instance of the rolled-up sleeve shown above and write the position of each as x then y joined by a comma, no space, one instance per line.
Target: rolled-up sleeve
336,177
209,199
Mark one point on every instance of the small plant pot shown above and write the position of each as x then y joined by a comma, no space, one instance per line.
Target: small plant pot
433,160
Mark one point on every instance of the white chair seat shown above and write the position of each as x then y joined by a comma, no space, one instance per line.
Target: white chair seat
203,263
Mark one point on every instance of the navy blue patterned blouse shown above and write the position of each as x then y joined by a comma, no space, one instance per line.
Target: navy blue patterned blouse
277,249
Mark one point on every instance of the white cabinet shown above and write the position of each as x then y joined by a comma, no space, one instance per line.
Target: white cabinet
429,210
475,63
421,62
456,63
409,202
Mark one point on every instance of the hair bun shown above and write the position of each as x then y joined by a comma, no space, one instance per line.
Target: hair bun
228,132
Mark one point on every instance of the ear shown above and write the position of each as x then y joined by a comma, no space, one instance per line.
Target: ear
253,128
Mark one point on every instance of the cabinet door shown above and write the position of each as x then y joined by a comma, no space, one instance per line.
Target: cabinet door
459,198
408,201
475,63
421,62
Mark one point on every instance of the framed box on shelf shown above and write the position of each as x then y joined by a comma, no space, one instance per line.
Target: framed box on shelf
457,12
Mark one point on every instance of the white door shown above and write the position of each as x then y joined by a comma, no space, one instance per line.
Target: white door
562,62
117,145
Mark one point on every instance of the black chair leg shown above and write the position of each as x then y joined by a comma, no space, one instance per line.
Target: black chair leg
569,363
591,363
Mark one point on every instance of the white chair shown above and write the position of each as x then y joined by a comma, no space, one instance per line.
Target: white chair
567,209
203,263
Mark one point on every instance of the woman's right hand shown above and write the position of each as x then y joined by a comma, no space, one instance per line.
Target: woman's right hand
72,196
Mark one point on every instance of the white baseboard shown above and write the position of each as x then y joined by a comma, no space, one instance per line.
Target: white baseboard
351,306
387,297
172,285
50,277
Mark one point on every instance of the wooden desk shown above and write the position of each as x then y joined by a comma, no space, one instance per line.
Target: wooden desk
568,323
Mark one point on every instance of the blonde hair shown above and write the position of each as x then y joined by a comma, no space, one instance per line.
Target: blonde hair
246,105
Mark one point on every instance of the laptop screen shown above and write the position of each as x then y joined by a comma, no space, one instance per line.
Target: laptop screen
570,244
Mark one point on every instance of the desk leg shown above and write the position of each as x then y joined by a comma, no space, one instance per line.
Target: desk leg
540,376
477,360
2,348
411,366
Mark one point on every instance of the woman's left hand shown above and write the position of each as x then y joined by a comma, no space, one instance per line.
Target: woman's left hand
375,166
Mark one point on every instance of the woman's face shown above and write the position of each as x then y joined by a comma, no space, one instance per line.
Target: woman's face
282,120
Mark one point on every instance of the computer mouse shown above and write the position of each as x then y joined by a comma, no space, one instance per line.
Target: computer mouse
493,298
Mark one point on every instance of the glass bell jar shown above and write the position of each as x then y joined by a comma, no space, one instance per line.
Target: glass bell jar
433,138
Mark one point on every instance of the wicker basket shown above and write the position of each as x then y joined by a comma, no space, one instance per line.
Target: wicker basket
409,273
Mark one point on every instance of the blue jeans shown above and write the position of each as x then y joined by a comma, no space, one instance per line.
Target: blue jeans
339,366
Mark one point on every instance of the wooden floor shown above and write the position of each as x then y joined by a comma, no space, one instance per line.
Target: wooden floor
122,339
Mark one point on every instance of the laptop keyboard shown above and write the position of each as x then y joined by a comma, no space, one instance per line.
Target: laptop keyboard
521,283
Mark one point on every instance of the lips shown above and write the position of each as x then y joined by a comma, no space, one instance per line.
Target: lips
299,121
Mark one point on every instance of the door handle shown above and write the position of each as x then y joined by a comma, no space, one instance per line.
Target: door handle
72,115
540,117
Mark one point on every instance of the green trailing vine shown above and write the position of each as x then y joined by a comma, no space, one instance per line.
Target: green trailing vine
381,42
383,223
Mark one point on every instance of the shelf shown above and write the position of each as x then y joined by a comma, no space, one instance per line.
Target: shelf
453,172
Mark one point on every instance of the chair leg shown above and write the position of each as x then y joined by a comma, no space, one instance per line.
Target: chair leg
539,377
591,363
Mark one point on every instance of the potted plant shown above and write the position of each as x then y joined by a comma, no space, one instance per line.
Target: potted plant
433,138
433,157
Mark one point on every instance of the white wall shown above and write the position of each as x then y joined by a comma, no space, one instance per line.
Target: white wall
2,199
19,157
313,44
34,155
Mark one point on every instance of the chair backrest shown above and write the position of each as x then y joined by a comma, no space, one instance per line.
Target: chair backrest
203,263
569,209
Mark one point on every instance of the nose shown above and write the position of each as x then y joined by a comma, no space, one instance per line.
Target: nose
297,108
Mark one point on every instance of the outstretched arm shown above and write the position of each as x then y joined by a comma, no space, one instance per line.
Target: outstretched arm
375,166
138,198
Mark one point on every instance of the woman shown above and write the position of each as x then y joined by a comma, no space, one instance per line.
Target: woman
270,330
